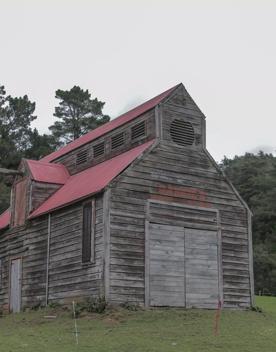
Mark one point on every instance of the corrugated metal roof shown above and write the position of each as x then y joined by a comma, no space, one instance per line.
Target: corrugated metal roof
90,181
5,219
119,121
49,173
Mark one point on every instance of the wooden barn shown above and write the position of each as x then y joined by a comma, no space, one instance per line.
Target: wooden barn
136,210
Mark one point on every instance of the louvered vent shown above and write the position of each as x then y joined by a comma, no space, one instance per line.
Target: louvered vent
182,132
138,130
82,157
117,140
98,150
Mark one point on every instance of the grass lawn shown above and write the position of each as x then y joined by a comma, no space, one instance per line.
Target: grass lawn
153,330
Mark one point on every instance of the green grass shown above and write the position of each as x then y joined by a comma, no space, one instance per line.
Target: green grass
153,330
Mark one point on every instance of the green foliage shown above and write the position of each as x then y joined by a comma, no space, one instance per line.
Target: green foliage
77,114
91,305
256,309
37,306
4,195
40,145
16,115
54,305
133,307
18,139
254,176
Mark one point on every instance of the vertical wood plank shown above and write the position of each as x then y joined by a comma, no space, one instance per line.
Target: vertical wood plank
250,255
106,234
48,260
15,286
147,257
220,271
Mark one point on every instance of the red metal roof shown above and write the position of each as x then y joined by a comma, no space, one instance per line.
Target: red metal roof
5,219
90,181
49,173
119,121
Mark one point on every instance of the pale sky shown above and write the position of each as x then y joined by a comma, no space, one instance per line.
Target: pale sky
125,52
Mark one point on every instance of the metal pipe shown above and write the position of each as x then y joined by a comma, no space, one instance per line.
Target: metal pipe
10,172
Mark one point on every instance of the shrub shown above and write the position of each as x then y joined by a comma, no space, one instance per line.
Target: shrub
91,305
96,304
54,305
131,306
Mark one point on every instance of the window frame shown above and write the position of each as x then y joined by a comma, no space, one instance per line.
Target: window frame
90,236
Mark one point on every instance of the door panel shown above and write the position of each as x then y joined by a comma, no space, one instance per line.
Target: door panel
183,267
166,265
15,286
201,262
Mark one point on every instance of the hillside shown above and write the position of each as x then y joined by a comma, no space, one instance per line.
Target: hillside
255,178
159,330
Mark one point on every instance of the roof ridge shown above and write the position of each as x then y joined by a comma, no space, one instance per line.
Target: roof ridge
111,125
46,163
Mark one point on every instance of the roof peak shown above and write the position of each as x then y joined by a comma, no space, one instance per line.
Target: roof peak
111,125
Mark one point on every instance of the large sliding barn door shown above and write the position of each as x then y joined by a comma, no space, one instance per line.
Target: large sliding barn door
182,262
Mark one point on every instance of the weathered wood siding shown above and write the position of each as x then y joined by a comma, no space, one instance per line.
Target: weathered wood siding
69,160
182,107
28,243
187,176
197,246
68,276
166,269
40,191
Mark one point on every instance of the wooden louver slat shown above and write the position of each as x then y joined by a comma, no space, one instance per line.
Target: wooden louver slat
138,130
98,149
182,132
82,157
117,140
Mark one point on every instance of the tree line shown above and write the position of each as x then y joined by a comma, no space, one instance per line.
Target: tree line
254,176
77,113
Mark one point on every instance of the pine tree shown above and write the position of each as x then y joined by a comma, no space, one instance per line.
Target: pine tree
77,114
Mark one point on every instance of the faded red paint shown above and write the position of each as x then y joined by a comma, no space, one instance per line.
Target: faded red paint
90,181
179,194
5,219
49,173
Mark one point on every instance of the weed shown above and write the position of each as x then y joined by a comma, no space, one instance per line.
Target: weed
54,305
256,309
131,306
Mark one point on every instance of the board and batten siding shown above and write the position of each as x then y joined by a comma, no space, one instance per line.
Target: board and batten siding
185,176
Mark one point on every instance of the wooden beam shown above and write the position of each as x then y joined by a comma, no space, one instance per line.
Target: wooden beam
10,172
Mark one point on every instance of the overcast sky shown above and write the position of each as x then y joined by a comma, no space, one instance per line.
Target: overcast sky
125,52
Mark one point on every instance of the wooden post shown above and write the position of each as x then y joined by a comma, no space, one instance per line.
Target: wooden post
106,220
48,260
